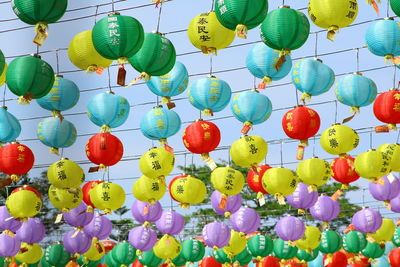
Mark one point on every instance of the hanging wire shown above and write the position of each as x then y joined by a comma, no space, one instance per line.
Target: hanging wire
398,138
370,139
95,14
109,79
157,101
184,163
159,16
394,76
112,6
336,111
313,150
297,96
4,95
62,153
192,167
212,5
387,8
229,156
37,49
316,45
211,65
358,60
108,174
57,62
281,152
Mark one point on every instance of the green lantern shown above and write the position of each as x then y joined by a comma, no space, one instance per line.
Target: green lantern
331,242
29,77
27,265
43,263
2,62
149,259
396,237
220,256
156,57
179,260
241,15
56,255
260,246
307,256
193,250
2,262
283,250
110,261
39,13
354,242
82,261
124,253
243,258
373,250
395,5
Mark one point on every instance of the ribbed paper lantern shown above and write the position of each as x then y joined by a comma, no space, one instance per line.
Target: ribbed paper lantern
387,108
310,240
227,181
339,139
16,159
216,235
158,162
107,196
343,170
331,242
149,190
284,250
280,182
354,242
314,172
386,191
367,220
65,174
10,128
290,228
372,165
325,209
3,75
24,202
254,180
65,199
249,151
302,198
2,63
245,220
392,151
187,190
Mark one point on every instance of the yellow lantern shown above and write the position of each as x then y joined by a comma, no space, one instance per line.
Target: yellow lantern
149,190
24,202
84,56
227,180
313,172
280,182
236,244
372,165
167,248
339,139
332,15
310,239
157,162
107,196
392,151
207,34
29,253
65,199
96,251
3,75
187,190
385,232
249,151
65,174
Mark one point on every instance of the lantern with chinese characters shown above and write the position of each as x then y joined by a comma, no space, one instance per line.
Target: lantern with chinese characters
95,253
314,172
280,182
306,256
290,228
187,190
236,244
149,190
396,237
254,180
76,242
104,149
386,191
10,128
283,249
148,258
206,33
83,55
233,203
245,220
86,193
339,139
192,250
325,209
170,223
243,258
209,95
56,133
387,108
354,242
65,199
108,110
24,202
302,198
227,181
123,254
301,123
158,162
372,165
249,151
99,227
160,123
392,151
142,238
107,196
40,14
29,254
216,235
146,213
284,29
171,84
373,250
16,159
310,240
312,77
385,232
251,108
343,170
259,246
79,217
65,174
331,242
29,77
167,248
332,15
56,254
260,62
367,220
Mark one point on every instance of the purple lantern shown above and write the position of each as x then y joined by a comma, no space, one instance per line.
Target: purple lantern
142,238
395,204
99,227
367,220
325,209
77,242
79,216
232,205
170,223
387,191
145,212
301,198
9,245
216,235
7,222
290,228
31,231
245,220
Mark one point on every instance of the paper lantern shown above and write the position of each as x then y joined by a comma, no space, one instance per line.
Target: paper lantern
354,242
385,232
283,249
339,139
314,172
386,191
216,235
86,193
29,77
3,75
331,242
149,190
325,209
227,180
394,256
99,227
107,196
56,254
108,110
31,231
270,261
150,259
65,199
310,240
233,203
24,202
243,258
221,256
78,217
96,251
245,220
7,222
254,180
367,220
312,77
209,95
124,253
146,213
2,63
10,128
249,151
209,262
260,246
396,237
392,151
167,248
142,238
332,15
338,259
236,244
387,108
280,182
10,244
16,159
372,165
290,228
83,55
158,162
179,260
302,198
187,190
206,33
29,253
65,174
307,256
343,170
395,6
76,242
170,223
373,250
192,250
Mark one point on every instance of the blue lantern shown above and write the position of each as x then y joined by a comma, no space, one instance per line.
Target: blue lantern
356,91
312,77
9,126
160,123
261,62
56,133
209,95
383,38
171,84
251,107
108,110
64,95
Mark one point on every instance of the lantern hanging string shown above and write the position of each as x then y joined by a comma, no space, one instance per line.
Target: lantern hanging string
159,16
212,5
211,64
316,45
394,76
112,5
57,63
336,111
37,49
108,174
281,152
192,166
4,95
62,153
370,140
388,8
255,82
109,79
95,14
157,101
297,97
313,150
358,59
184,163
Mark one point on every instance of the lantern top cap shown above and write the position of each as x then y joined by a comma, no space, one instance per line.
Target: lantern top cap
36,55
211,76
284,6
59,75
64,158
358,73
255,90
113,13
372,149
317,59
157,32
389,18
110,92
198,120
5,107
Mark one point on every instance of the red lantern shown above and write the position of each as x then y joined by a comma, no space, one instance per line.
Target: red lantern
343,170
301,123
339,259
202,137
209,262
394,257
104,149
16,159
254,181
387,108
269,261
137,263
108,245
86,193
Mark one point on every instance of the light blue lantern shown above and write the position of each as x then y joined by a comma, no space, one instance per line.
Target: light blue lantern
108,110
209,95
160,123
10,128
381,262
318,262
64,95
56,133
251,107
356,91
383,38
261,62
171,84
312,77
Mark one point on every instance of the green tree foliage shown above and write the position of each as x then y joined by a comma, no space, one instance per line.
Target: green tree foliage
122,226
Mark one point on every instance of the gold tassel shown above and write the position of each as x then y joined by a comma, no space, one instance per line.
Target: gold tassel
89,209
332,30
184,206
23,100
392,126
122,60
345,187
311,188
14,178
105,129
301,211
280,198
208,50
54,150
142,76
305,97
41,33
241,31
207,112
227,214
